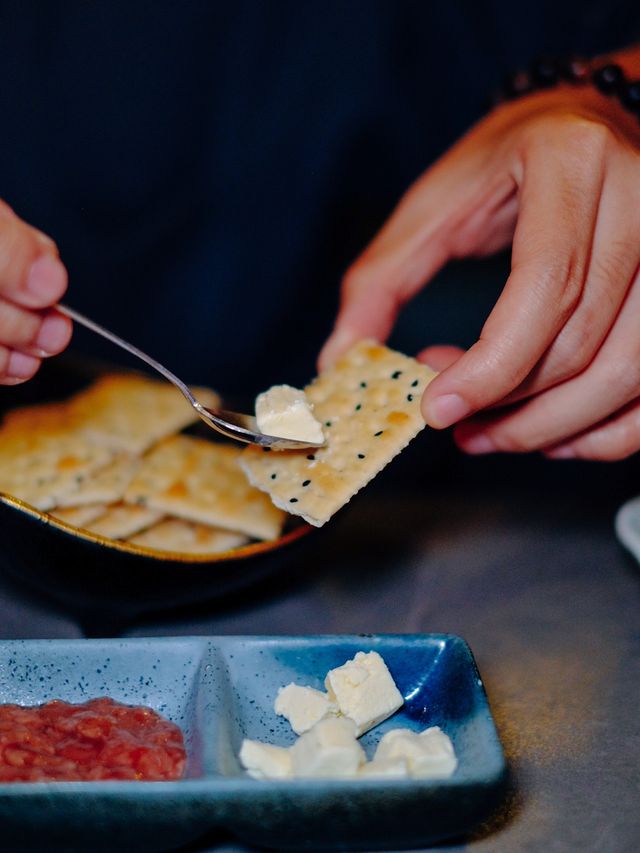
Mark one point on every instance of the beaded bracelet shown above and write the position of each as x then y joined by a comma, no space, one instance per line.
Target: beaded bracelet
544,73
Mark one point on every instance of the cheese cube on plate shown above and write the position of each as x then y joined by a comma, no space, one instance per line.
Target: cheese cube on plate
328,750
303,707
389,768
265,761
429,755
364,690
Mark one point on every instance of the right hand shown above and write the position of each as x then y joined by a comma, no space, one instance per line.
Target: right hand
32,280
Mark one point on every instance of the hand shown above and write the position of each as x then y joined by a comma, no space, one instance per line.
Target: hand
32,279
557,365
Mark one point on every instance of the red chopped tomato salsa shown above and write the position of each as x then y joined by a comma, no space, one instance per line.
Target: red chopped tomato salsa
100,739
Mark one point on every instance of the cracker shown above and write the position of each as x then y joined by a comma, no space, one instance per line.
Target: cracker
123,520
174,534
79,516
369,406
79,452
44,467
55,417
131,413
198,480
105,485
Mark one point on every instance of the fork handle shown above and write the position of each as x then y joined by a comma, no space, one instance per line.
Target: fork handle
115,339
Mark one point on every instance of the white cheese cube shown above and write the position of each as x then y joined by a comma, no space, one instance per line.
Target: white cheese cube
329,749
429,755
364,690
285,412
303,707
390,768
264,761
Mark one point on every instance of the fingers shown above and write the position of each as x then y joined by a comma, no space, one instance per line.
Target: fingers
33,333
610,383
26,338
32,279
456,208
615,439
612,267
16,367
559,198
31,274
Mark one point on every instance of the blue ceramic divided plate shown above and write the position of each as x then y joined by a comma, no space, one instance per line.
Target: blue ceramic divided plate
221,689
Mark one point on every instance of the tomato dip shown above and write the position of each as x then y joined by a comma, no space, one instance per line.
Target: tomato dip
98,740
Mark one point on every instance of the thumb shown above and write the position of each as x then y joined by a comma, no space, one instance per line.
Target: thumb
31,273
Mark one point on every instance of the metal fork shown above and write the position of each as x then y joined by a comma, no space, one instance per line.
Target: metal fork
232,424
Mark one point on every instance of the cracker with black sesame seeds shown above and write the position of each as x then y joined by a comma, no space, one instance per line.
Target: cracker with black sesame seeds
186,537
369,406
123,520
201,481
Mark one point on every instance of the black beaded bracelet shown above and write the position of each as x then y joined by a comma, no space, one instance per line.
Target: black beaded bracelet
544,73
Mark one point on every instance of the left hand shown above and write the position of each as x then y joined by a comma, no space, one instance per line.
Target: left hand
557,365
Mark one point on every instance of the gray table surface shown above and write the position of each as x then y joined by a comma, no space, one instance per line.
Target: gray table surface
520,558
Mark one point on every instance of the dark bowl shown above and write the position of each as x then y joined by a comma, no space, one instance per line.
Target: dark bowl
102,579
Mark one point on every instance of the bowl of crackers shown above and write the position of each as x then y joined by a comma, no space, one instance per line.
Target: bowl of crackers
110,497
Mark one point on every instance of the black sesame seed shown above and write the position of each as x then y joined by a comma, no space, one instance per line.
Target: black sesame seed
327,423
396,374
378,433
361,456
415,383
266,449
293,500
363,384
273,476
311,457
306,482
358,407
409,397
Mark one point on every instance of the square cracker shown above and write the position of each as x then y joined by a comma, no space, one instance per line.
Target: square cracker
44,466
174,534
123,520
106,485
49,453
79,516
369,406
198,480
131,413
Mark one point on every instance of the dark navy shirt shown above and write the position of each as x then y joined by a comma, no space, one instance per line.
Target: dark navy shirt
210,169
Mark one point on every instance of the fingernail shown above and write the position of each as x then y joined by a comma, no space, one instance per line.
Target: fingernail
477,444
562,452
21,366
445,410
337,343
53,335
47,279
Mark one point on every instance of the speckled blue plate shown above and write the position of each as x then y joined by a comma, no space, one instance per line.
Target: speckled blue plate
221,689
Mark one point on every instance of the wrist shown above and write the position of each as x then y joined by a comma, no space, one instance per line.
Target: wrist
605,90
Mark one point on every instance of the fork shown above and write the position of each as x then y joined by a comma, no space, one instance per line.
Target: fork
232,424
